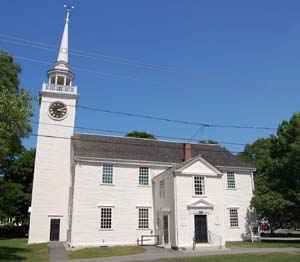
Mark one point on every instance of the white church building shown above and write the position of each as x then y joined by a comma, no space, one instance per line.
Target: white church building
96,190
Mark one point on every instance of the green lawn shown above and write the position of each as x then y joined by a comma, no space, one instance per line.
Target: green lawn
16,249
273,257
105,252
264,244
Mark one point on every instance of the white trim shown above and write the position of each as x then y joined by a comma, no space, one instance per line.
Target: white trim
123,161
143,206
203,161
106,205
234,168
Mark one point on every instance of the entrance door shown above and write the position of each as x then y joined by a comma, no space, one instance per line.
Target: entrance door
200,229
166,230
54,229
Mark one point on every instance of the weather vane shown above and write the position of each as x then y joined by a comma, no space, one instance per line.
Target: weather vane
68,8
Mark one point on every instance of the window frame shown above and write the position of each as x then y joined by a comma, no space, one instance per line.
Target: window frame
231,181
234,217
143,222
201,184
106,222
162,188
141,174
104,175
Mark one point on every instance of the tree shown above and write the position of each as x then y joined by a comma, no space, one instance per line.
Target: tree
208,142
16,163
141,134
277,180
15,109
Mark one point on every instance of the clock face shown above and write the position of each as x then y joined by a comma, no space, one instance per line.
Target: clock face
58,110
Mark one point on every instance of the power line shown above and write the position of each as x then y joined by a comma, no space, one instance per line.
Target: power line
125,132
137,64
220,149
168,119
105,74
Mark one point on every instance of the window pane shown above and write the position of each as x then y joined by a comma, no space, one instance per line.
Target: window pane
199,185
107,174
230,180
234,219
144,176
143,218
105,217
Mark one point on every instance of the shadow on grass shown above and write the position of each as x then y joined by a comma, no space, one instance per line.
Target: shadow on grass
11,254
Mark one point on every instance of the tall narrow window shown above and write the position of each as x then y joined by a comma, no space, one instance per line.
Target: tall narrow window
234,218
162,188
144,176
199,185
230,180
143,218
107,174
106,217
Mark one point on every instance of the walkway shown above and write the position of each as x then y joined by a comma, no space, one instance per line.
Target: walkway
57,252
154,253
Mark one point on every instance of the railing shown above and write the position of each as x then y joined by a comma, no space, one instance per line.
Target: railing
60,88
214,239
145,239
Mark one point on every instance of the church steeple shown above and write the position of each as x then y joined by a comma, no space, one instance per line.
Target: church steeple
62,59
60,77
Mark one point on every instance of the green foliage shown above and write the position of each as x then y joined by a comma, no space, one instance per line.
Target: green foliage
16,163
140,134
208,142
16,186
277,180
15,109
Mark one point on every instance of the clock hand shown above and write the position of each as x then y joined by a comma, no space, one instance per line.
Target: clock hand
61,109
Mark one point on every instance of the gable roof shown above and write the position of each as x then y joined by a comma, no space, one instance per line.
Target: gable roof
113,147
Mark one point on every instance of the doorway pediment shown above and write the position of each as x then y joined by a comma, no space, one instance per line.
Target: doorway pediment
200,204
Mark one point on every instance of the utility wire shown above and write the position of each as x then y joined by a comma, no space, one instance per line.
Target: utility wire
106,74
168,119
137,64
124,133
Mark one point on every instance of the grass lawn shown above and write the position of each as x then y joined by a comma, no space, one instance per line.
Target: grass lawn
264,244
273,257
16,249
105,252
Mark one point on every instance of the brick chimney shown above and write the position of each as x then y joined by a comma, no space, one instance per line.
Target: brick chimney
187,151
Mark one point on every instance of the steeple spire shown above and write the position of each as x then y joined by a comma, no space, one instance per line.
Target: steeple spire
62,59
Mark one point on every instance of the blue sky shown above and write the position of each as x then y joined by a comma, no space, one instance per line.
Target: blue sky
241,62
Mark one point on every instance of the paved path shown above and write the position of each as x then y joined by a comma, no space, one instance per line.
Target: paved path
154,253
57,252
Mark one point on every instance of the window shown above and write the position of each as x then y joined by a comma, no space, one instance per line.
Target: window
199,185
230,180
106,217
143,218
162,188
60,80
107,174
234,218
144,176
